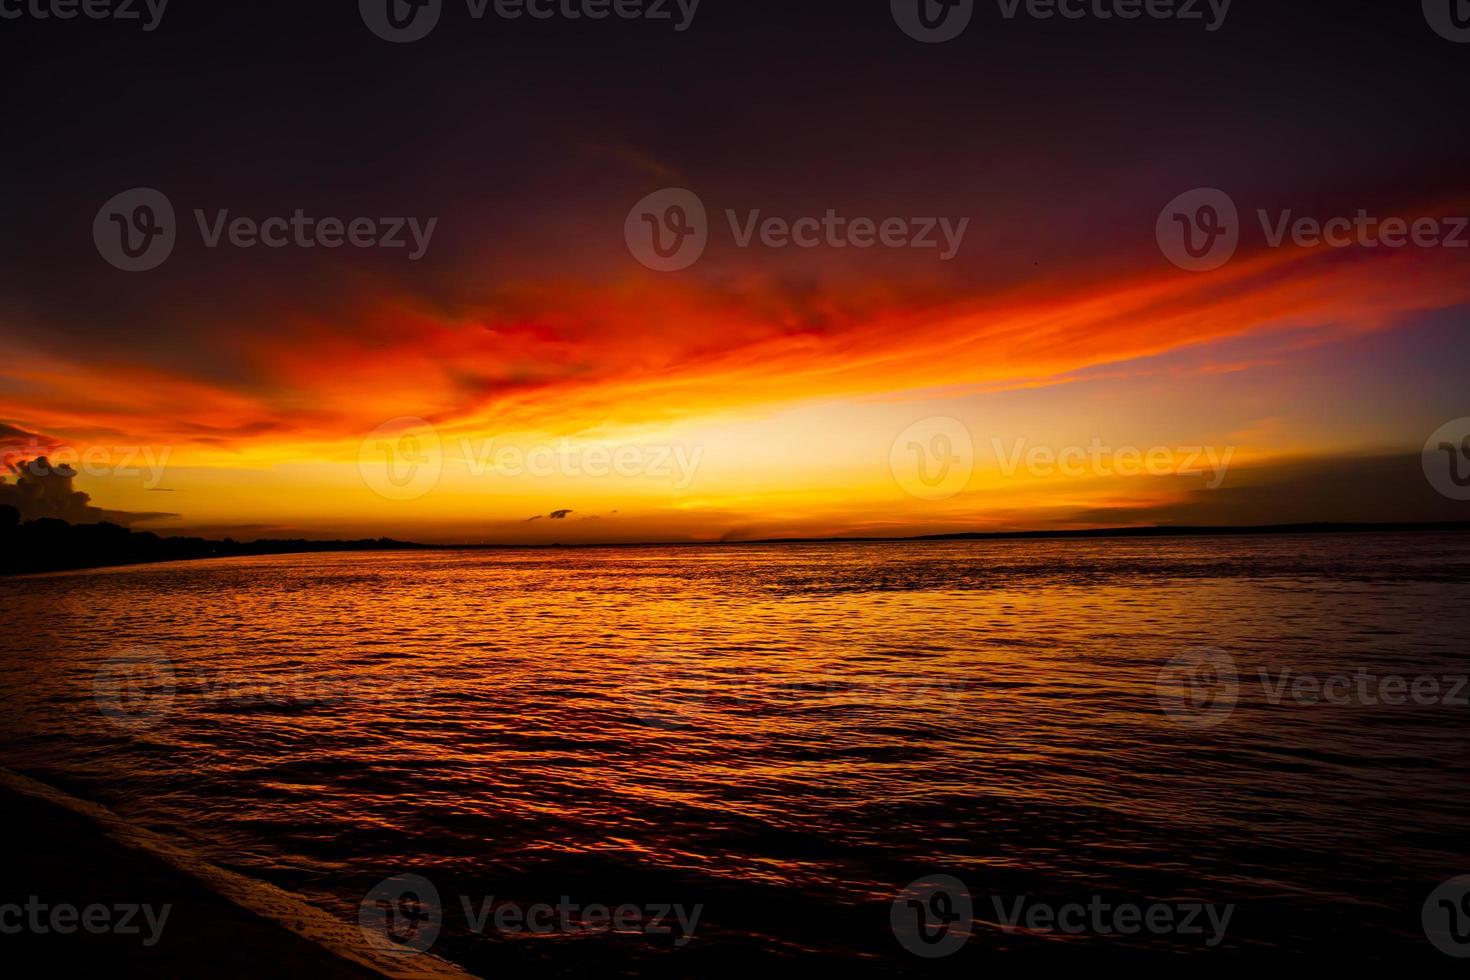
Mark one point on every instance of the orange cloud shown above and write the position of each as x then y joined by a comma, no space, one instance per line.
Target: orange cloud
651,350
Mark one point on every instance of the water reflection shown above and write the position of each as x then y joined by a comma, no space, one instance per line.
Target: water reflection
787,736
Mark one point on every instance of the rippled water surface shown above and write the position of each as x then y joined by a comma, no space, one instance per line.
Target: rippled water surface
783,735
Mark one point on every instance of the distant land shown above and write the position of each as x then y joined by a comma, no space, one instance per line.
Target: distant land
51,545
1153,531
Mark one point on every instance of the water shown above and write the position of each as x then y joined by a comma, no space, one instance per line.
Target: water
784,737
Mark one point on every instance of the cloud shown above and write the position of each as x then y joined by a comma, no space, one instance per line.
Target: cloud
555,356
42,490
1350,489
556,515
18,444
9,432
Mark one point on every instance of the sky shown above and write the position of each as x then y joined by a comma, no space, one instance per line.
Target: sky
518,373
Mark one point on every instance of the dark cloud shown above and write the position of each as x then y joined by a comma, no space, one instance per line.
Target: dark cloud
17,444
1364,489
10,432
556,515
42,490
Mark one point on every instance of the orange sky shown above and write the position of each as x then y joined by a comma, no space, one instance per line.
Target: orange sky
738,410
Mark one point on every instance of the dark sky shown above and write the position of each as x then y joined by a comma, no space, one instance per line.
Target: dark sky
526,123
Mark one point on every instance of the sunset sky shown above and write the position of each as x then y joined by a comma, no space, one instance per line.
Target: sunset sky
778,385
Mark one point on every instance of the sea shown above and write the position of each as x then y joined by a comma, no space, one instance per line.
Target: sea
887,759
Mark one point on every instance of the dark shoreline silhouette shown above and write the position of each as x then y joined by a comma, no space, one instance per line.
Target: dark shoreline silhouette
51,545
1152,531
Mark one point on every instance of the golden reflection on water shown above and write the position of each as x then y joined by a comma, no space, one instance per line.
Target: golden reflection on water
813,722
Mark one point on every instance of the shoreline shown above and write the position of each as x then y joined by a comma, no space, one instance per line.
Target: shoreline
196,919
1153,532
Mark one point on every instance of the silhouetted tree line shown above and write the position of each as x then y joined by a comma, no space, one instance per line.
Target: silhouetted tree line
49,545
